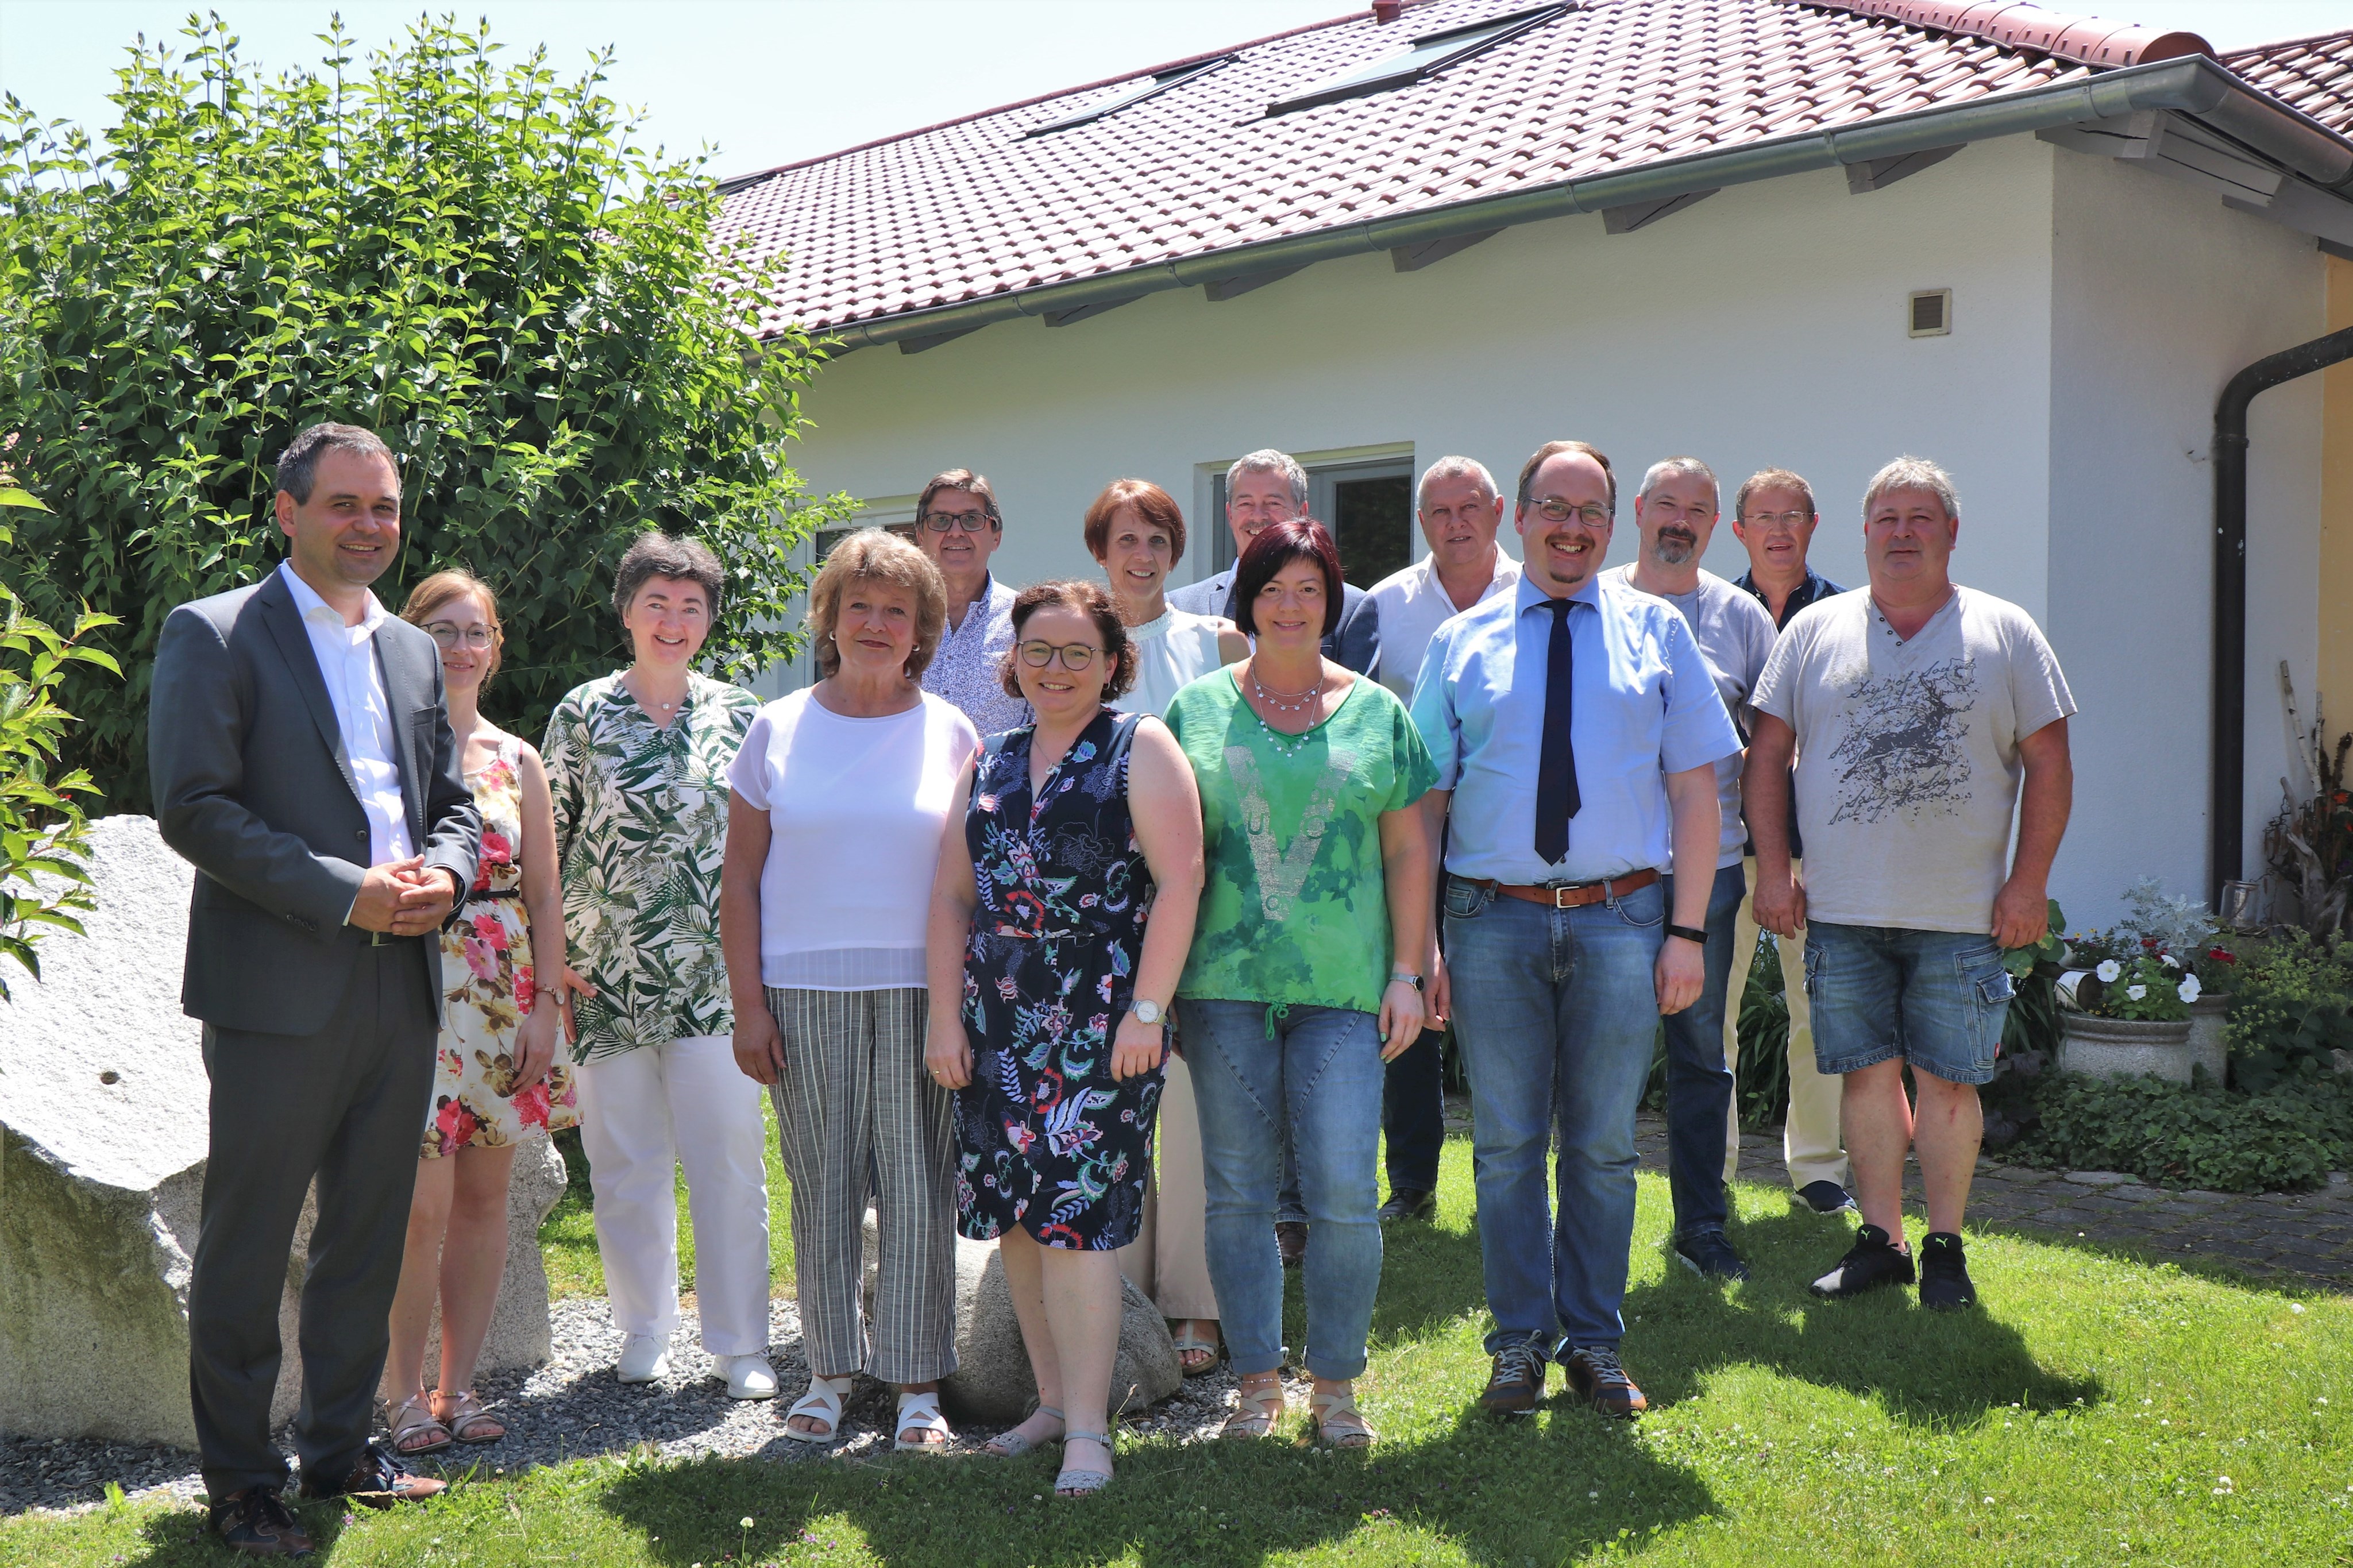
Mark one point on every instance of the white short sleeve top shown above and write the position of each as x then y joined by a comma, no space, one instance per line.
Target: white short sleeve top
856,809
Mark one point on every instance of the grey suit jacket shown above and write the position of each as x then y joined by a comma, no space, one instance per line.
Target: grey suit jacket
253,788
1357,645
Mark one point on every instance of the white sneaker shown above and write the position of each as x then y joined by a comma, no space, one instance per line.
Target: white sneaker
644,1359
747,1376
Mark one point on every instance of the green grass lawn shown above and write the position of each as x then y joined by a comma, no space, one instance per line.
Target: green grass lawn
2087,1414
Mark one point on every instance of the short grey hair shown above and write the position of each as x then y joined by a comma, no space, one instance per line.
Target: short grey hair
655,554
298,466
1267,461
1454,469
1667,469
1913,474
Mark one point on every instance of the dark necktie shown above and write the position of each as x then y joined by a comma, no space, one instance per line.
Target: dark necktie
1557,799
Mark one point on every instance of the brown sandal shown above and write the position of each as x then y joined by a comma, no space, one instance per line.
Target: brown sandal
414,1417
467,1418
1255,1412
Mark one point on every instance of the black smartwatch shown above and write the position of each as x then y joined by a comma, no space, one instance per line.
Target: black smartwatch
1689,933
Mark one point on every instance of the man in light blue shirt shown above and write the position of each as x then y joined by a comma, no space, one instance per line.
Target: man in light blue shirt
1580,725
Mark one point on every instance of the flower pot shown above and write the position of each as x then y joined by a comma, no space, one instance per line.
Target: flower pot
2206,1046
2124,1047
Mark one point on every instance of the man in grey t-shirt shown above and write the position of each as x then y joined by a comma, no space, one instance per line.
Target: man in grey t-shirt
1922,714
1675,514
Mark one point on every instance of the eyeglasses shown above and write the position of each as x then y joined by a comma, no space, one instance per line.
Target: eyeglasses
965,521
1593,513
482,639
1778,521
1077,657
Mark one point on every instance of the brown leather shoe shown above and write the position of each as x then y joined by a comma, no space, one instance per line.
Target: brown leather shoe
1515,1387
378,1480
257,1522
1291,1240
1595,1376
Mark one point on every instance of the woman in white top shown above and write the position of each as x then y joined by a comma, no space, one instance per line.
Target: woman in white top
840,796
1137,534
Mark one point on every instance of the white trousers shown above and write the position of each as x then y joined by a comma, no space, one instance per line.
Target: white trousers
643,1115
1810,1143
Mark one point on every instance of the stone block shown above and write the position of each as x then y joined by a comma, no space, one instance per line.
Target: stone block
2098,1178
2118,1047
993,1382
520,1333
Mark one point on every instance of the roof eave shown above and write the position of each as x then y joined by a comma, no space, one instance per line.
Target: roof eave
2194,85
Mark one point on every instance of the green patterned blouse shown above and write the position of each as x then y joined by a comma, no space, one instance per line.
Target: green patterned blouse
640,835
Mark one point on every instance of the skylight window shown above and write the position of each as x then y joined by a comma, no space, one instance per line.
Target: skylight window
1421,58
1134,95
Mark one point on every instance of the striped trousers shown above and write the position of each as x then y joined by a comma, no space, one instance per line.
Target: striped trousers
859,1117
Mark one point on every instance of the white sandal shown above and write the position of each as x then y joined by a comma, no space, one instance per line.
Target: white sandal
921,1411
822,1403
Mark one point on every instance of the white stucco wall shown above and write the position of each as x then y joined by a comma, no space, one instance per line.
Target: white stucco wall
2160,294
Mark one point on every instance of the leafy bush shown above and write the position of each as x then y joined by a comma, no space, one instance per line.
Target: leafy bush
2290,1014
477,261
2186,1135
42,833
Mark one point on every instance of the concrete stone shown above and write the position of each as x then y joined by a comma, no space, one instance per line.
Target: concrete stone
992,1381
103,1133
2098,1178
2207,1050
2118,1047
519,1333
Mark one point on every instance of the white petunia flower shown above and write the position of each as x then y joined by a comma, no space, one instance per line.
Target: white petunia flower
2108,971
2169,961
2136,992
2189,989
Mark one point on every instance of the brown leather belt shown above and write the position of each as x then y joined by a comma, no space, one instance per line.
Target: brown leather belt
1571,895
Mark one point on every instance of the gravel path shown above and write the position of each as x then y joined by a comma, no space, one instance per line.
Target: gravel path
574,1408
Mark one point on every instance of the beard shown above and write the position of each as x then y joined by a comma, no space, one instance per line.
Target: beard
1673,546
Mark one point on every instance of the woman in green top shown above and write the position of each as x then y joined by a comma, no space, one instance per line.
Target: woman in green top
1306,972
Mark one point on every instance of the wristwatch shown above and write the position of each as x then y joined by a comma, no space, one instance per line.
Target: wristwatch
1406,975
1146,1011
1689,933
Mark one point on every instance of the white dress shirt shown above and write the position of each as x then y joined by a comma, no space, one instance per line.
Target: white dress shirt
347,663
1412,605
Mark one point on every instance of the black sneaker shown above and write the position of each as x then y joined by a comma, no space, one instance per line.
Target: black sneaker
257,1523
1945,1274
1709,1256
1408,1202
1872,1261
1823,1197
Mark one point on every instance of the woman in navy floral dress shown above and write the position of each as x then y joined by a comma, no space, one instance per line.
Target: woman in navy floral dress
1059,925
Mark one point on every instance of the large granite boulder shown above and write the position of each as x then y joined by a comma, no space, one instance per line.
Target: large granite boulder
993,1383
519,1334
102,1141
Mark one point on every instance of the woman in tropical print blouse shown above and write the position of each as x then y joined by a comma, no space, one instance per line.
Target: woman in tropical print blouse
637,763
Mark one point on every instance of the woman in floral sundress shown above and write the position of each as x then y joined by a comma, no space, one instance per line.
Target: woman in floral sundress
502,1075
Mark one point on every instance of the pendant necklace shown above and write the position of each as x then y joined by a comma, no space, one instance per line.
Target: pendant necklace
1285,743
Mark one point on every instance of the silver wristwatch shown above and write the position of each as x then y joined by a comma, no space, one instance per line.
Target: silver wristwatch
1147,1012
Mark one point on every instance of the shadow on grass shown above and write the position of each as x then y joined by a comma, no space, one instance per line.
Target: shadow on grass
1932,1368
1503,1494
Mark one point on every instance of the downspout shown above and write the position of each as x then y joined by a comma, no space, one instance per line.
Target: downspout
2226,829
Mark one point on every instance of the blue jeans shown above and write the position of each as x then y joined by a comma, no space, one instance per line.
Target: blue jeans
1554,1010
1699,1084
1256,1069
1937,998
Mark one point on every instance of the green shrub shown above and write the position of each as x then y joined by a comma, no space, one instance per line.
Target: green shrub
2186,1135
2289,1013
473,257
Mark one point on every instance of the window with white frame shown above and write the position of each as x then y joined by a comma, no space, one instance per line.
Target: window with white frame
1367,503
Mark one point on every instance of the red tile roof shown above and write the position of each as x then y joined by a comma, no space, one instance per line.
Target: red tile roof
975,208
2314,75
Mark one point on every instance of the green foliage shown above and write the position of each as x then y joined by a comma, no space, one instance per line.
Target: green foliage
474,258
2291,1009
42,833
2020,961
1761,1088
2186,1135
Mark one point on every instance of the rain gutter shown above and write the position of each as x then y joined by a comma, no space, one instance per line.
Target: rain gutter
2192,85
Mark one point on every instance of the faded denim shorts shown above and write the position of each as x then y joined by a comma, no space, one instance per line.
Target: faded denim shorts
1935,998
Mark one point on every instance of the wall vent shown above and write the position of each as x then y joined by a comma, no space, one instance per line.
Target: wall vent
1930,312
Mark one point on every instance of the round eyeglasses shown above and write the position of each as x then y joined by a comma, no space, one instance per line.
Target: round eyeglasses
1076,657
963,522
482,639
1593,513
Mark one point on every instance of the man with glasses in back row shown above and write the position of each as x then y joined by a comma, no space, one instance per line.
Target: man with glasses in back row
958,526
1580,725
1773,513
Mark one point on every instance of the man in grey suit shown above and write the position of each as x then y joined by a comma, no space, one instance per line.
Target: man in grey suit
302,762
1269,487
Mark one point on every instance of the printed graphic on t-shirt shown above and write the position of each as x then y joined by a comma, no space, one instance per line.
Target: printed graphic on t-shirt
1904,750
1282,875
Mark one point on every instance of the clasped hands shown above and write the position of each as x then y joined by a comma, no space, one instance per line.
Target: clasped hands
404,897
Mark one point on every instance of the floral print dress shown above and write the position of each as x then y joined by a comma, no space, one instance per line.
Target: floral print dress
488,985
1046,1138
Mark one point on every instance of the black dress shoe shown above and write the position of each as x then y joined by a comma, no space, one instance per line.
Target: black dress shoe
1291,1240
257,1522
378,1480
1405,1203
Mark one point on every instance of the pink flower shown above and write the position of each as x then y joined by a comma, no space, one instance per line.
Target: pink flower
531,1105
496,851
480,958
455,1124
526,988
492,930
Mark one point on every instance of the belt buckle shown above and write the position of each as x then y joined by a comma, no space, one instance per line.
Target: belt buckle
1558,890
376,939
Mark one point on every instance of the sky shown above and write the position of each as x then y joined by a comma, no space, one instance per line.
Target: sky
773,81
